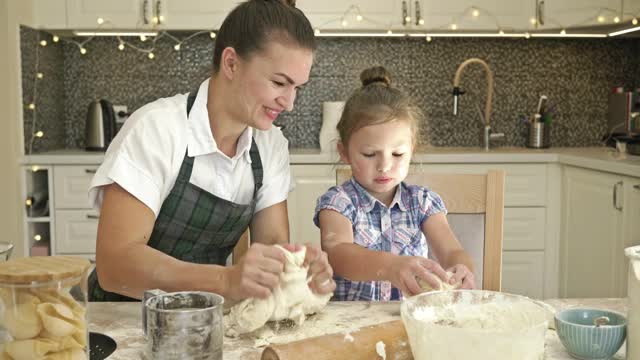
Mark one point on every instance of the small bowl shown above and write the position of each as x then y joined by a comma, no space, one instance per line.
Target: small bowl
583,339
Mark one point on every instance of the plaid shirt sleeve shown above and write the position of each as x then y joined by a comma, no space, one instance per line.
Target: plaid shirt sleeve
338,200
430,203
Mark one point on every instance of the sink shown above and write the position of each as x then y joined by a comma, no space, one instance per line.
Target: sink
100,346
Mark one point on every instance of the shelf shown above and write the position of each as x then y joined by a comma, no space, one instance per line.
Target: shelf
38,219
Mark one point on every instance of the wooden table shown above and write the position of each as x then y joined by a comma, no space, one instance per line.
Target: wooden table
122,321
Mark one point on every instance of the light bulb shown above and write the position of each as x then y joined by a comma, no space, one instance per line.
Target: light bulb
100,21
527,35
151,56
634,21
39,75
407,18
344,23
616,19
37,237
421,21
176,47
121,46
43,42
563,32
317,32
533,21
428,38
83,51
40,134
359,17
35,168
212,35
475,13
32,106
601,19
389,32
454,27
161,18
28,202
501,32
56,38
143,38
155,19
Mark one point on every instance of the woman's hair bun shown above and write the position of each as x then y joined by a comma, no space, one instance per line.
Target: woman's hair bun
377,75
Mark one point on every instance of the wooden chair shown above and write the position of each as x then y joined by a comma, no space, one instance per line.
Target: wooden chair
475,205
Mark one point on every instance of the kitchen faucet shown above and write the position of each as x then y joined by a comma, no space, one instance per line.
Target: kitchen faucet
488,134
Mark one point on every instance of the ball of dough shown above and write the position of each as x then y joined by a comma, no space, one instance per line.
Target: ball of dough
442,286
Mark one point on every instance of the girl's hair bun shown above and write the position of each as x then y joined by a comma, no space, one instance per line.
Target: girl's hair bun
376,75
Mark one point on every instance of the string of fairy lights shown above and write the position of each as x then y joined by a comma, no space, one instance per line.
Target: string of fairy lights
352,14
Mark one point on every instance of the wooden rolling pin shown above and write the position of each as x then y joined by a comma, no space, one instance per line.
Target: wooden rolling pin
339,346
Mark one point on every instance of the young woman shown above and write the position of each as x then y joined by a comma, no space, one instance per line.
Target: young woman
187,175
376,229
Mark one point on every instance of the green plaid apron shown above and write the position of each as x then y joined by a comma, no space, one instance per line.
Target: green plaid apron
195,225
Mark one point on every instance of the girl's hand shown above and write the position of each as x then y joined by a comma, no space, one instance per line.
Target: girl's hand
320,272
405,271
463,276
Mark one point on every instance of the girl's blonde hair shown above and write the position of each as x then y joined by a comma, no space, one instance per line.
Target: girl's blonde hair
377,102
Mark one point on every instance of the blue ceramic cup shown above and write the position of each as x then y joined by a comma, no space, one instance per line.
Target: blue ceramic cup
591,334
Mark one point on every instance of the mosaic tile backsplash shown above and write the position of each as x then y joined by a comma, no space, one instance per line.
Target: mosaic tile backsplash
575,74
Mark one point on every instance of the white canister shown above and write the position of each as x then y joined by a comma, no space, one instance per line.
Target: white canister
331,113
633,318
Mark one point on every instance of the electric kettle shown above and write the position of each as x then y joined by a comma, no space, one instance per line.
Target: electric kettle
100,127
633,318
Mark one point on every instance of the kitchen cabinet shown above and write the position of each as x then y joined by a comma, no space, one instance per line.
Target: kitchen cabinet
50,14
117,14
76,224
311,181
523,273
601,213
566,14
491,15
194,14
376,14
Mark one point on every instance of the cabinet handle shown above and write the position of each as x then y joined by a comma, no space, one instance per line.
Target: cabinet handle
418,15
90,216
615,195
540,12
145,12
159,12
90,171
405,12
637,187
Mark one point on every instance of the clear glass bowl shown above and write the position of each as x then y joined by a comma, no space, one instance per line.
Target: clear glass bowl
474,324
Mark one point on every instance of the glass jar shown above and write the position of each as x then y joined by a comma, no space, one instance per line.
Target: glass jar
43,308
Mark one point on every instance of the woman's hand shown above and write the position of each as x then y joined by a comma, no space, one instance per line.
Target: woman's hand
463,276
320,271
257,273
405,271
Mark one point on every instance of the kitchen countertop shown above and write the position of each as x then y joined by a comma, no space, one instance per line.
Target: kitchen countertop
122,321
596,158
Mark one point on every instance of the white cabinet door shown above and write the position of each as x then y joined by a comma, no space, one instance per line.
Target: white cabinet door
118,14
631,228
193,14
50,14
71,186
565,14
311,182
523,273
491,14
524,228
330,14
592,233
76,231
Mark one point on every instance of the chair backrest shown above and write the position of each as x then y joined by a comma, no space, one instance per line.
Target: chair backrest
475,205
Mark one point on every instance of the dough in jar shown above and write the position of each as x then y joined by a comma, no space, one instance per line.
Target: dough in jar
21,318
57,319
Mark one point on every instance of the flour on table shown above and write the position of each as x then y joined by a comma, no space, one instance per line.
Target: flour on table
292,299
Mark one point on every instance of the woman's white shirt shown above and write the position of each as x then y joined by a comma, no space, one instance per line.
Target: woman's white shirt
146,155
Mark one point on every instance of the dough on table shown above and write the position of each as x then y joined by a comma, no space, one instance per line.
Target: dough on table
291,299
444,286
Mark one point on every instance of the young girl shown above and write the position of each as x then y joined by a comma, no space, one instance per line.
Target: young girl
373,227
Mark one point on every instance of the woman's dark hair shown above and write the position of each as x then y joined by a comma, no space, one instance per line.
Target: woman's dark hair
377,102
253,23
